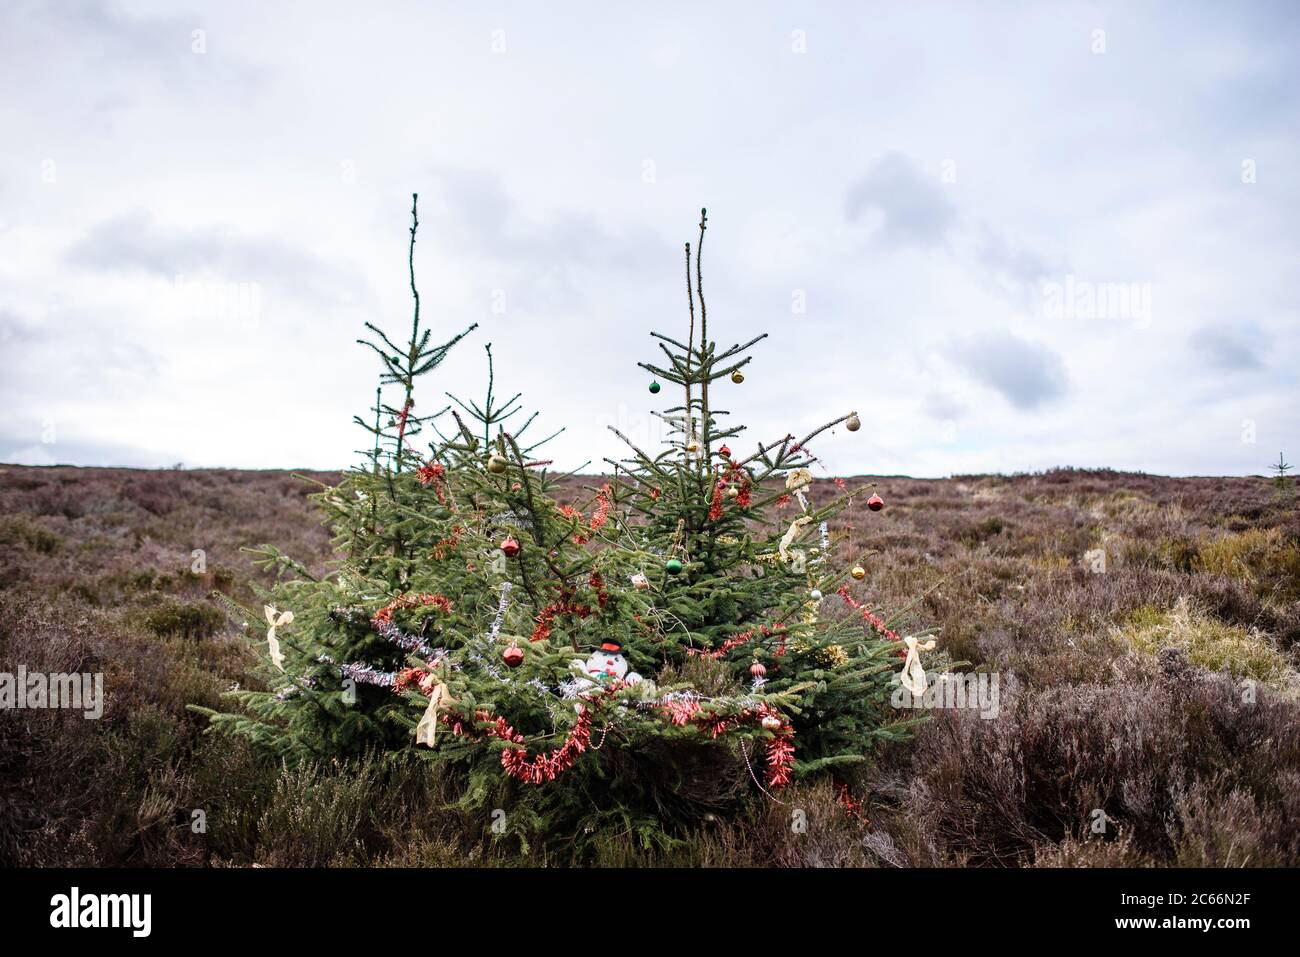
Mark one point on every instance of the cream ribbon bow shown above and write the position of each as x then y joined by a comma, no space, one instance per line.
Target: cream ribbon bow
789,536
426,732
913,675
796,482
273,643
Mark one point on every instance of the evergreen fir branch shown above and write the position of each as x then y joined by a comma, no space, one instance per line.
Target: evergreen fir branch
392,347
734,350
670,340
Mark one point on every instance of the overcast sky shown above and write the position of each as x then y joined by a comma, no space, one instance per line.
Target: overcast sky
1011,236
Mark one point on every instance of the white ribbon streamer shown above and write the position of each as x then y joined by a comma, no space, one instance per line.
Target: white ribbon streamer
274,622
913,675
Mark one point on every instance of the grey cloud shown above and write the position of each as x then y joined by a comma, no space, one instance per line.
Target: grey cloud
1027,374
1226,349
15,330
914,208
132,241
153,48
486,220
1007,259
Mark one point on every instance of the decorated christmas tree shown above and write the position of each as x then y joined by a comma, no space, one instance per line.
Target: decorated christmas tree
675,639
327,671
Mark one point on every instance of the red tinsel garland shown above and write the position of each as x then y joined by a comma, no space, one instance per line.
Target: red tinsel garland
385,614
780,759
875,621
414,676
401,422
604,499
715,506
780,750
544,768
545,619
598,583
444,544
568,511
431,474
736,640
598,518
745,497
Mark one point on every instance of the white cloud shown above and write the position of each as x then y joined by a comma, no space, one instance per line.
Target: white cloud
912,180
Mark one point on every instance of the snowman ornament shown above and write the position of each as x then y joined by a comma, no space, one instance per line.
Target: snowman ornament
605,666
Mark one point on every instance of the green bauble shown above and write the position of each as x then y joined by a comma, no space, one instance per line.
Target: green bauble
654,388
673,566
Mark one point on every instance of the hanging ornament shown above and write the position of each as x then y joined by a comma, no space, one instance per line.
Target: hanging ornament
875,503
513,656
509,547
733,491
737,377
640,582
815,594
725,452
654,388
853,423
771,722
858,572
673,566
496,464
757,669
692,446
606,665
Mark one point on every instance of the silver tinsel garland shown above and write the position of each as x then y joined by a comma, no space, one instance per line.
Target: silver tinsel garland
415,643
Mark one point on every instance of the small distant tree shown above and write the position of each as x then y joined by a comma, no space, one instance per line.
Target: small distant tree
1280,470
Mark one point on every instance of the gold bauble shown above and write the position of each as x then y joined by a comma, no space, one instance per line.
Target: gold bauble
692,446
496,464
737,377
853,423
858,572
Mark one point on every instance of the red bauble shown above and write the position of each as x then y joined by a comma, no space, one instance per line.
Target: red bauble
513,656
511,547
725,452
757,669
875,503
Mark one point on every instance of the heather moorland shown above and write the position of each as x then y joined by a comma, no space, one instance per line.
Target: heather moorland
1143,631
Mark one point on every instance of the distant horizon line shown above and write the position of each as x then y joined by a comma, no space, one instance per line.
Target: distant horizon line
1029,473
